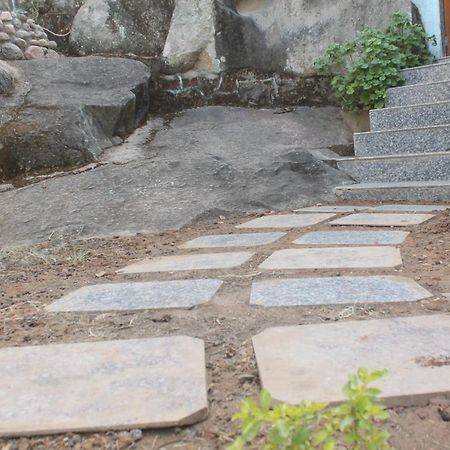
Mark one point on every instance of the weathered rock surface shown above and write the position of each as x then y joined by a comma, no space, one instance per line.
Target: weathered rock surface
207,162
7,79
75,108
126,26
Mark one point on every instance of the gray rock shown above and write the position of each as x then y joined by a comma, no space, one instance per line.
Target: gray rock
4,37
21,43
9,28
129,26
6,16
7,79
10,51
6,187
34,52
240,160
22,34
75,108
52,54
42,43
52,44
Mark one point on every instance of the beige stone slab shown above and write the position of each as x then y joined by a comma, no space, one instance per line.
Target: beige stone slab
287,220
410,208
333,209
333,258
138,383
312,362
189,262
383,219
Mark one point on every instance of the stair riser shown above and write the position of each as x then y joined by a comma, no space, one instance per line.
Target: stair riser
410,117
407,194
425,140
416,95
423,168
429,74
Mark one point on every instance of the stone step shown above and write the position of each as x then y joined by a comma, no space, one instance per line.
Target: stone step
403,141
427,74
410,116
416,167
418,94
433,191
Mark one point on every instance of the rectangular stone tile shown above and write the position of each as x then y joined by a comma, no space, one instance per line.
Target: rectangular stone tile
383,219
132,296
333,258
189,262
312,362
333,209
138,383
286,221
336,291
410,208
352,237
234,240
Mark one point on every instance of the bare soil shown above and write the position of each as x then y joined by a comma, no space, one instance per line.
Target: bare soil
33,277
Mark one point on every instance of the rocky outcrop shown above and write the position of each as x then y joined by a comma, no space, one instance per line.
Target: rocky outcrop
119,27
75,108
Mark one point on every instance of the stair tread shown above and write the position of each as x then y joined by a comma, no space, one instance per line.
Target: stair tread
392,156
396,184
399,130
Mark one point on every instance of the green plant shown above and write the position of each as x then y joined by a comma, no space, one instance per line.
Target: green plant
309,426
362,70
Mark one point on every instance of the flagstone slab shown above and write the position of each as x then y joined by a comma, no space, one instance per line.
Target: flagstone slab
138,383
336,291
352,237
234,240
333,209
383,219
333,258
176,263
312,362
286,221
410,208
136,296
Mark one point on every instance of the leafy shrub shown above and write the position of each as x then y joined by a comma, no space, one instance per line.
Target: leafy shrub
362,70
314,426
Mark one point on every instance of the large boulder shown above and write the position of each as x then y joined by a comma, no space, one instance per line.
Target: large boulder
76,107
122,26
271,35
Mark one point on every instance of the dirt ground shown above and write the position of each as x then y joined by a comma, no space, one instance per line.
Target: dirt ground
33,277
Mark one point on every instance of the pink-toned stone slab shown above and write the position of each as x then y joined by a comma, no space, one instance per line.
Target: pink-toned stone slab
286,221
138,383
333,258
312,362
383,219
176,263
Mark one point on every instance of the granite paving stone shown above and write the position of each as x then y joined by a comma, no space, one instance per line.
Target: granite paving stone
189,262
352,237
333,209
410,208
234,240
336,291
333,258
138,295
383,219
312,362
286,221
96,386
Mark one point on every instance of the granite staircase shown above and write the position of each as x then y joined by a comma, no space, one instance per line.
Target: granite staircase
406,155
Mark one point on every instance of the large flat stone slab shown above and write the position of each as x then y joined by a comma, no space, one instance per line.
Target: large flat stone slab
189,262
287,221
312,362
332,209
410,208
336,291
333,258
233,240
138,383
383,219
132,296
352,237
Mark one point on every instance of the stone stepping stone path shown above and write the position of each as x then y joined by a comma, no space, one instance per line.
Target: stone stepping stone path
383,219
137,296
333,258
352,238
139,383
410,208
176,263
312,362
234,240
286,221
333,209
336,291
